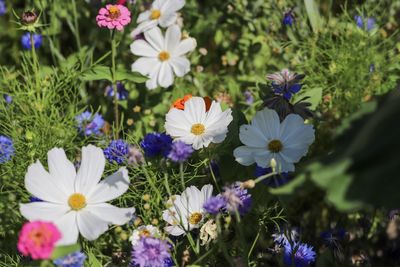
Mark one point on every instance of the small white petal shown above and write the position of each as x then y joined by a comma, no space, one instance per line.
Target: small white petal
244,155
185,46
173,5
143,27
61,169
43,211
143,48
145,65
172,37
175,230
251,136
111,214
167,19
165,76
180,65
69,229
143,16
267,120
90,226
153,77
155,38
195,110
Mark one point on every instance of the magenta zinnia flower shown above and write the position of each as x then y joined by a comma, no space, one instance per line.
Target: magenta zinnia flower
113,16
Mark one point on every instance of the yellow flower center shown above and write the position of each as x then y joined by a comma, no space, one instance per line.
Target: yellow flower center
198,129
195,218
155,14
77,201
144,233
114,12
163,56
275,146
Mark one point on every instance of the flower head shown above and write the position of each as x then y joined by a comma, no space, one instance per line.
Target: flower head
122,93
156,144
29,17
90,124
75,201
208,232
162,58
114,17
367,24
237,198
196,126
26,40
8,98
214,205
299,254
180,151
117,151
135,156
37,239
144,231
3,7
186,212
266,139
180,102
6,149
150,252
162,13
75,259
285,83
288,18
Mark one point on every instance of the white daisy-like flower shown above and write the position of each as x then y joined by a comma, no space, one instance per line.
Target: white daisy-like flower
162,13
266,139
186,212
76,201
144,231
162,58
197,127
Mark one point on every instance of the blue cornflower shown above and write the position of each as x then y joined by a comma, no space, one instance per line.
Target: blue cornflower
75,259
149,252
180,151
273,181
214,204
367,25
26,40
285,83
331,238
90,124
122,93
237,198
156,144
34,199
299,254
8,98
281,237
6,149
288,18
117,151
3,7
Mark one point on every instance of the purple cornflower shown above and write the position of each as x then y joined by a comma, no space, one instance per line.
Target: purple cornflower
299,254
156,144
3,7
237,198
75,259
90,124
6,149
285,83
180,151
7,98
135,156
273,181
214,204
150,252
288,18
367,24
122,93
117,151
249,97
26,40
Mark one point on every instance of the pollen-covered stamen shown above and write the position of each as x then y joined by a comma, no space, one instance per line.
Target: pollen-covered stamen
114,12
155,14
144,233
163,56
198,129
275,146
77,201
195,218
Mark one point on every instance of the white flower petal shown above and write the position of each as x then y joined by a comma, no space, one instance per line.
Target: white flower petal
185,46
143,16
267,121
251,136
111,214
143,27
293,155
263,158
61,169
244,155
167,19
206,192
110,188
158,4
91,169
155,38
175,230
43,211
180,65
282,165
165,76
172,37
42,185
145,65
68,227
152,83
144,49
195,110
172,5
90,226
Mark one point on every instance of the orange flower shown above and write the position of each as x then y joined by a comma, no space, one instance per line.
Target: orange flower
180,102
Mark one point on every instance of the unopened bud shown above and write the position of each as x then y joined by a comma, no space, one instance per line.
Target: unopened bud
273,164
28,17
249,184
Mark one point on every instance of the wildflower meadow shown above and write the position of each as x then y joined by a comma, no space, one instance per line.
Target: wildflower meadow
190,133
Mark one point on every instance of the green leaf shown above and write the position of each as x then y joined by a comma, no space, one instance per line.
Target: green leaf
62,251
93,261
314,96
289,187
136,77
313,15
97,73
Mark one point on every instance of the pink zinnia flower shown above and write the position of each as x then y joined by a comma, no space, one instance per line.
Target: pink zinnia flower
37,239
113,16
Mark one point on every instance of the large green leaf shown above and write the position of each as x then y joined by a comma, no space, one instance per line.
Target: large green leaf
104,73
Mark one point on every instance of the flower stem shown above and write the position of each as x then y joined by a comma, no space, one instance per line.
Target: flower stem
259,179
182,175
34,60
76,25
114,84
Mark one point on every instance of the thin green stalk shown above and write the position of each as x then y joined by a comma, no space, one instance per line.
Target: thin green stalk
213,176
192,244
253,246
76,25
114,83
35,61
182,175
151,182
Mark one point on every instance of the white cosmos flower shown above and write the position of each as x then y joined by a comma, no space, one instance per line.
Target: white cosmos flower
162,12
186,212
266,138
196,126
76,202
161,58
144,231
